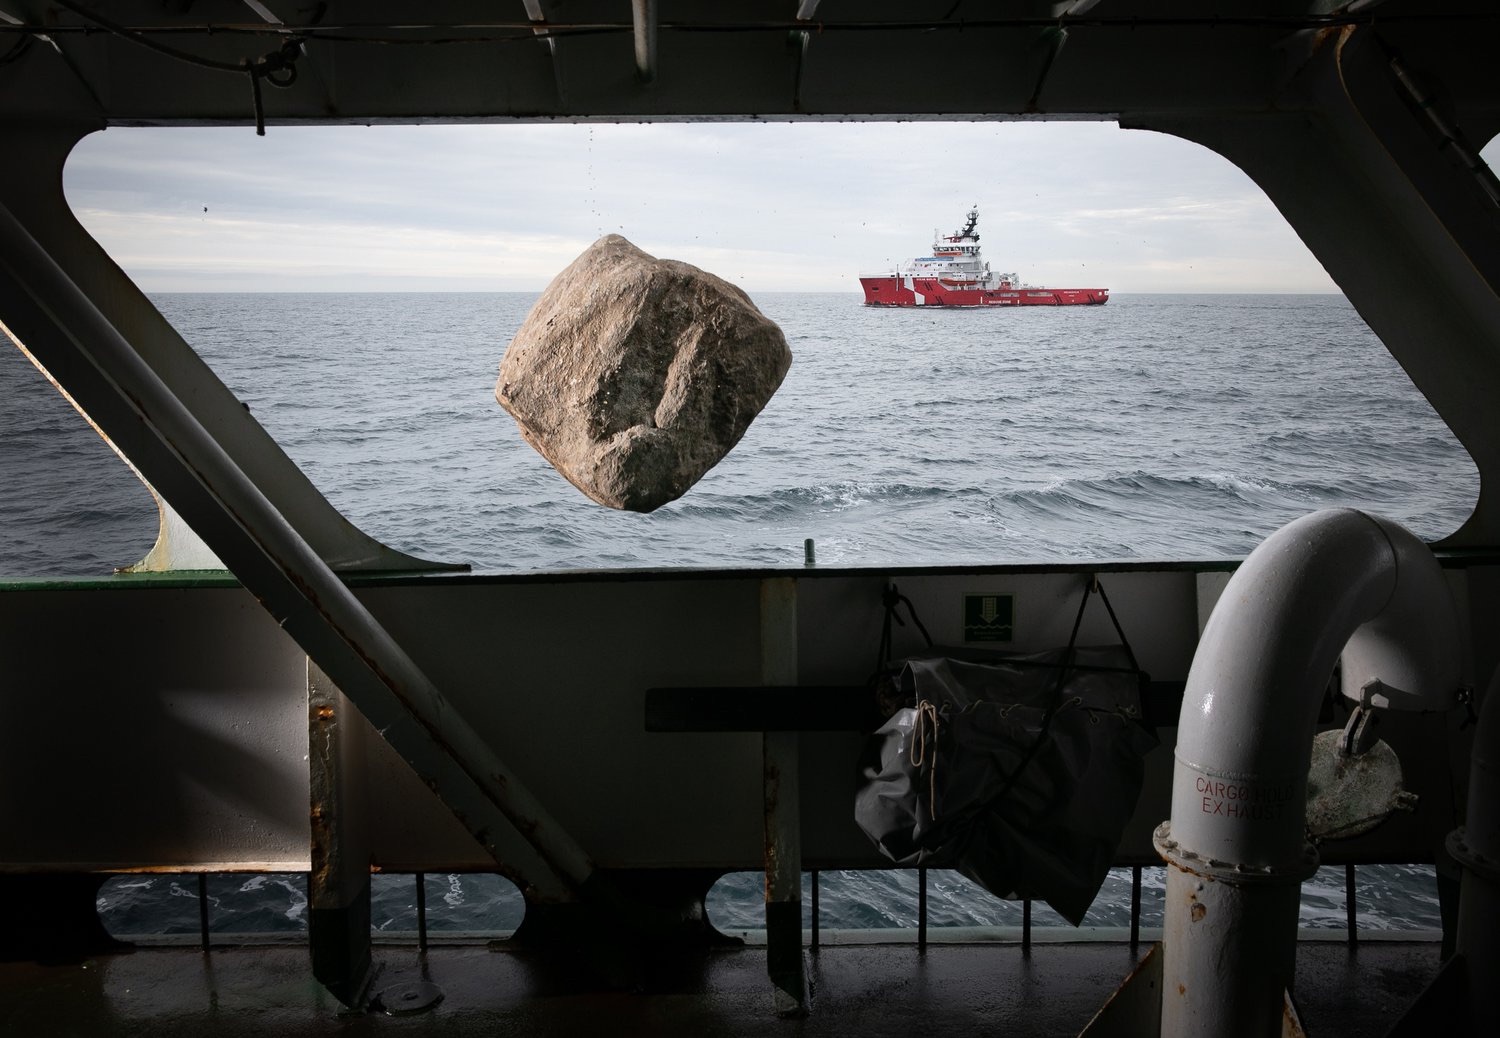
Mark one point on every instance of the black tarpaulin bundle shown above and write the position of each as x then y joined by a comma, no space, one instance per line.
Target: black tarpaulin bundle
1020,772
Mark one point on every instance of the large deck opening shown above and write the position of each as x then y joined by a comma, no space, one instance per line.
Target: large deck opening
360,309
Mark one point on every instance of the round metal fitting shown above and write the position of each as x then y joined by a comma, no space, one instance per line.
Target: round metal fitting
413,997
1469,858
1352,793
1228,871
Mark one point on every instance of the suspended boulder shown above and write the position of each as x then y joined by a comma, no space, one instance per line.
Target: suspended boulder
634,375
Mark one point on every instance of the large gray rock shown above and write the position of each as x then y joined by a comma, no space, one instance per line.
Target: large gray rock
633,376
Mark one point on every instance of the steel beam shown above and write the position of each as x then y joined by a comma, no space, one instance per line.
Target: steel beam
538,18
59,327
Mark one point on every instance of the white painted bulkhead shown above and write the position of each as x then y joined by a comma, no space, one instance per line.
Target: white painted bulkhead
175,738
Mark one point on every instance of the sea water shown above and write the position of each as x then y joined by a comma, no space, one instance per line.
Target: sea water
1155,427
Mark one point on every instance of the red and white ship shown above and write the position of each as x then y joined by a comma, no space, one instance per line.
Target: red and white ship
956,275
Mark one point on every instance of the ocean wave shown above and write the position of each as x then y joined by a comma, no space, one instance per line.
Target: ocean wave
796,501
897,437
1108,492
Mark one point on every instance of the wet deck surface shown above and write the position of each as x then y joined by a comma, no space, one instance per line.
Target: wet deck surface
858,990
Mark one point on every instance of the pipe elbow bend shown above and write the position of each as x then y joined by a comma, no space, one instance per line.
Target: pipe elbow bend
1331,583
1407,656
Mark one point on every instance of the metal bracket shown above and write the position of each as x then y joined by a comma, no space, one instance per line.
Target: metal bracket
1359,731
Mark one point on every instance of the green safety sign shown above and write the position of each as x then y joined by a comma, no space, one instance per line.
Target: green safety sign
989,617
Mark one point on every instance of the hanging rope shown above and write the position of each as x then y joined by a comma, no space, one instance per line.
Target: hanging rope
1055,701
891,598
276,67
1124,642
926,729
925,733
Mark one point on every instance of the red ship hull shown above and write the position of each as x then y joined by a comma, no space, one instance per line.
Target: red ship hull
892,290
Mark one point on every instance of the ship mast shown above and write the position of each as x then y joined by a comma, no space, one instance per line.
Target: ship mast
973,222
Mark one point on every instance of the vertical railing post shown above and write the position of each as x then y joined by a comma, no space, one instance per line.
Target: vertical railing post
921,908
1350,911
422,911
1135,905
203,910
814,940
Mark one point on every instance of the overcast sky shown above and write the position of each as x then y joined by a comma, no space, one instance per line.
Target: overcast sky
772,207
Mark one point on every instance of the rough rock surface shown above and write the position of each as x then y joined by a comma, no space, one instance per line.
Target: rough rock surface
633,375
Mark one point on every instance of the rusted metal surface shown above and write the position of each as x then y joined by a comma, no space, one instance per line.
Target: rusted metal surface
783,828
1134,1010
1220,975
1351,793
1215,869
1225,970
340,852
1291,1023
783,816
338,886
1335,583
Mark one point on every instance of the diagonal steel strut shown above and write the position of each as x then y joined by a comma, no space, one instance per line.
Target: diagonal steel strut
54,322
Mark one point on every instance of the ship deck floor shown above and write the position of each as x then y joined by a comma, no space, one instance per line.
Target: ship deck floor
868,990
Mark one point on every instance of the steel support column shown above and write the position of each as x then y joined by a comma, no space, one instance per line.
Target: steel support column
1476,847
1460,999
338,888
778,654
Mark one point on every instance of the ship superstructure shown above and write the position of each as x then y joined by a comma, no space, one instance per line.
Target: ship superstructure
956,274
